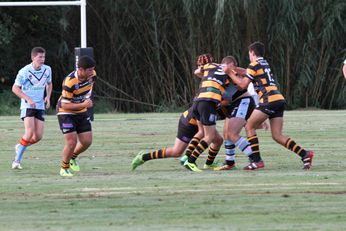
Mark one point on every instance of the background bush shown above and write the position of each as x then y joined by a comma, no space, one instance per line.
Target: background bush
146,50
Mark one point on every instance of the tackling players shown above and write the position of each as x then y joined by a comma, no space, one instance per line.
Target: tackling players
271,105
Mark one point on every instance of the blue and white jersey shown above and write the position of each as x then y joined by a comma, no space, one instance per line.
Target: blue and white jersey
32,83
232,92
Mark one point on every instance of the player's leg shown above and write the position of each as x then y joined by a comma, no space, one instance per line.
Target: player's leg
276,125
229,149
206,115
209,135
213,150
169,152
84,134
83,143
256,119
71,139
68,128
39,127
24,142
193,143
232,140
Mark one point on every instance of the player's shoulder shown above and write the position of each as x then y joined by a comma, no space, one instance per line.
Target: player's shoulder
70,80
256,65
253,64
47,67
210,66
25,69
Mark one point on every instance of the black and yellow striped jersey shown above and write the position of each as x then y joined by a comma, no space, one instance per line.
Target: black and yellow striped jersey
188,118
213,83
75,91
265,85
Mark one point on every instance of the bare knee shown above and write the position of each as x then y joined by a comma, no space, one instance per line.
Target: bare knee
218,141
35,139
86,143
176,152
71,144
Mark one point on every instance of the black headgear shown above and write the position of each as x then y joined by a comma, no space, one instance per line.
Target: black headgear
86,62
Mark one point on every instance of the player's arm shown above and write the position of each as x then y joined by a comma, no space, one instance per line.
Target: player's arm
49,89
224,102
241,82
18,92
344,69
240,71
67,96
76,106
198,72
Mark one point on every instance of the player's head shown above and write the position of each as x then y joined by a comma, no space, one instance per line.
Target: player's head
86,66
38,56
257,49
229,60
86,62
204,59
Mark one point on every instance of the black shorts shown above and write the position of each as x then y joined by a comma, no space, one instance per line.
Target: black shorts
274,109
32,112
74,123
241,108
186,131
205,112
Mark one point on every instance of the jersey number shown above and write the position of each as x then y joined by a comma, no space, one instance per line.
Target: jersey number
270,78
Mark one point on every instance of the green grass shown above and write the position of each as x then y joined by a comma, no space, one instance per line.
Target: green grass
161,195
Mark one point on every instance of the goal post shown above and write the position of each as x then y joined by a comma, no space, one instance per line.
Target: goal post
79,51
81,3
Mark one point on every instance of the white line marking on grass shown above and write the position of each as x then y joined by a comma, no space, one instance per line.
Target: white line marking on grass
171,189
96,120
99,192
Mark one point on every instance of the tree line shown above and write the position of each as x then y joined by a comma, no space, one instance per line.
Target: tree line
146,49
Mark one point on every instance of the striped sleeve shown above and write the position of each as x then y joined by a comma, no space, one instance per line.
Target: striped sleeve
252,70
67,90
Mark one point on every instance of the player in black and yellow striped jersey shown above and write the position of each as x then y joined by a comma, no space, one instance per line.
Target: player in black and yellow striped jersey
73,117
188,137
271,105
209,95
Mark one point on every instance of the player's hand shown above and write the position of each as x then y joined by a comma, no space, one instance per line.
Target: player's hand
92,74
229,69
88,103
224,103
31,103
47,102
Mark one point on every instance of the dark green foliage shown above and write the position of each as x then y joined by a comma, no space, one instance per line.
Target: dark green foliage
146,49
9,103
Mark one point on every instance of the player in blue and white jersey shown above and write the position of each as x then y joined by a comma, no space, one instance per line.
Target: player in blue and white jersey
30,84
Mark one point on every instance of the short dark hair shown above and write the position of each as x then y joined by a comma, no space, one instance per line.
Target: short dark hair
257,48
204,59
37,50
229,59
86,62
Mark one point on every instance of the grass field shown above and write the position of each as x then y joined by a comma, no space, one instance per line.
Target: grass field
161,195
